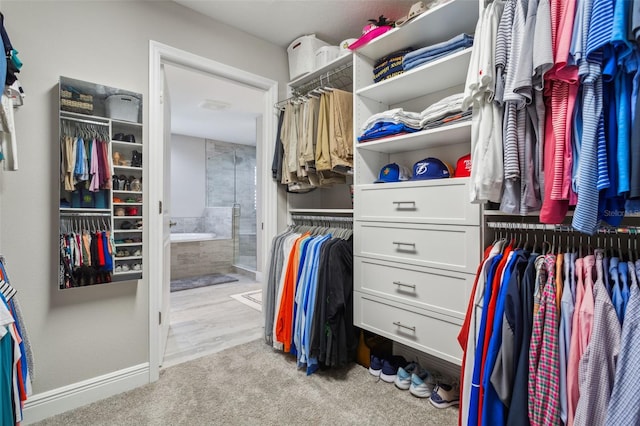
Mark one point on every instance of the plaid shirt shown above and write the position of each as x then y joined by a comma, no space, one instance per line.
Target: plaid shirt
544,358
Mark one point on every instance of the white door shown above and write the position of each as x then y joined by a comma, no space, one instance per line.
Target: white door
166,217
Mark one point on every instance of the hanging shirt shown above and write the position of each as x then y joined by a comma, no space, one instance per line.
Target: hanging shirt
566,316
623,407
575,352
598,364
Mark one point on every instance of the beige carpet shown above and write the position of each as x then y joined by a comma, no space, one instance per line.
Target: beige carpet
252,384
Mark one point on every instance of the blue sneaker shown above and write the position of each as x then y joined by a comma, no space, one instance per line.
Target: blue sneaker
390,368
444,396
403,377
422,383
375,365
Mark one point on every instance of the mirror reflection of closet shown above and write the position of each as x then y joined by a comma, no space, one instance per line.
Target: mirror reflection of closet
93,119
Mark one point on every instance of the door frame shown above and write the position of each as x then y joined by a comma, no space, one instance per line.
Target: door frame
159,54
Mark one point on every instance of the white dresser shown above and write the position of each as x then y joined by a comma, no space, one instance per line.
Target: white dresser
417,244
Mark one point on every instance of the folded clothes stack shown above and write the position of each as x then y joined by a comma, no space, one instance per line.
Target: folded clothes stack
444,112
427,54
389,65
393,122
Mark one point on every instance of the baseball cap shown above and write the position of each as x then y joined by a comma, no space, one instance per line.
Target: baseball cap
463,166
393,173
369,32
416,10
431,168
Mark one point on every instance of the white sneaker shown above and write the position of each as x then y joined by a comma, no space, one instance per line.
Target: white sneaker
422,383
403,377
444,396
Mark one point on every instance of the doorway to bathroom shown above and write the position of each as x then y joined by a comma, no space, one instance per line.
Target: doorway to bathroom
232,212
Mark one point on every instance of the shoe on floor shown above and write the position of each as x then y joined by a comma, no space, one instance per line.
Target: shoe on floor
375,365
444,396
422,384
390,368
403,377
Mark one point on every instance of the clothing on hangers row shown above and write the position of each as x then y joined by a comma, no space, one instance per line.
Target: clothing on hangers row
85,156
308,303
555,110
541,311
16,356
314,146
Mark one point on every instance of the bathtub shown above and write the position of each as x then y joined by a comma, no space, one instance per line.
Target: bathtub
185,237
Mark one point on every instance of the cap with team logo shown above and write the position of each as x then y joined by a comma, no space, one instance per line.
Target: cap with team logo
431,168
393,173
463,166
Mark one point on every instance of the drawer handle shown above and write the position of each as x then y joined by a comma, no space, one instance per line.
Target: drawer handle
413,286
399,324
405,205
404,202
400,243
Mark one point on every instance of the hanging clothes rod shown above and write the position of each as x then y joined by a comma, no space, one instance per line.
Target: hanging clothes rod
78,214
80,120
341,80
322,218
632,230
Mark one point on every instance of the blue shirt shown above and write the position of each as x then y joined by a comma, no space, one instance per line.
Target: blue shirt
616,293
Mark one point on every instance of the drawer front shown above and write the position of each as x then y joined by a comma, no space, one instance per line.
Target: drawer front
446,292
434,334
444,201
454,248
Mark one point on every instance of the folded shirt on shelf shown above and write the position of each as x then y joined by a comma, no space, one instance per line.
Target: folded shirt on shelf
385,129
389,65
449,119
427,54
444,107
395,115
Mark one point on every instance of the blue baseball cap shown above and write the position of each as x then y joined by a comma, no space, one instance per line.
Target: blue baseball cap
393,173
431,168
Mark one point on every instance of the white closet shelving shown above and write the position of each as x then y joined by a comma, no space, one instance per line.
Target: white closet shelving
416,243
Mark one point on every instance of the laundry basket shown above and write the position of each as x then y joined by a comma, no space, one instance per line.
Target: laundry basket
302,55
122,107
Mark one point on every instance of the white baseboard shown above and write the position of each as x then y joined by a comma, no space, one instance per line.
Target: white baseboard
43,405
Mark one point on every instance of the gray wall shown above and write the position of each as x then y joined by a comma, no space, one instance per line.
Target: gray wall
82,333
188,176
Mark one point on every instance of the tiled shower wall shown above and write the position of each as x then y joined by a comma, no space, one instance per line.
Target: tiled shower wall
217,220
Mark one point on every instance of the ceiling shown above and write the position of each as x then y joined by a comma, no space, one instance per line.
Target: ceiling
279,22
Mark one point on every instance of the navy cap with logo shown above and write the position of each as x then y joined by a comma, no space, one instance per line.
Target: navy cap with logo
393,173
431,168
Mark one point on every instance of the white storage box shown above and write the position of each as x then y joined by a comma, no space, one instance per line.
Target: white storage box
122,107
326,54
301,53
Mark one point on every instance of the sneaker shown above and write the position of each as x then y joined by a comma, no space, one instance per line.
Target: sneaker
390,368
422,383
375,365
444,396
403,377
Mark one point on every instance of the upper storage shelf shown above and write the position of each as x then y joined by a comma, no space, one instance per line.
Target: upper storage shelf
434,76
438,24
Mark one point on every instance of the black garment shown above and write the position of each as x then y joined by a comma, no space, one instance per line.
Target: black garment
278,152
518,411
318,342
342,341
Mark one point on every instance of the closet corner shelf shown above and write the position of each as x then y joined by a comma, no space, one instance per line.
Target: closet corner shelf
127,168
436,25
446,135
124,143
119,191
321,211
440,74
127,123
342,60
415,183
128,258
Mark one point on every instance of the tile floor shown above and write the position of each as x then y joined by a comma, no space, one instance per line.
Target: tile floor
208,320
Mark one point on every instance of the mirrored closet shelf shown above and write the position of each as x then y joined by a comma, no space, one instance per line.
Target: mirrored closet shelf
101,186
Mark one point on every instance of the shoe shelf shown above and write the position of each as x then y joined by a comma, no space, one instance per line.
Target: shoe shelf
128,231
125,123
128,244
119,191
127,204
128,258
126,144
127,217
